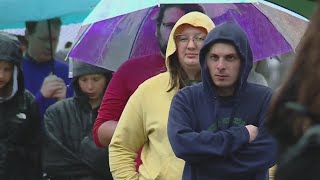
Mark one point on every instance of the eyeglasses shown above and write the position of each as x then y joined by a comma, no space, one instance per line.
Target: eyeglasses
184,39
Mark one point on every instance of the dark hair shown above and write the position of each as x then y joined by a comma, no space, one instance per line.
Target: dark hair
22,39
76,86
177,75
223,41
31,25
68,44
184,7
301,87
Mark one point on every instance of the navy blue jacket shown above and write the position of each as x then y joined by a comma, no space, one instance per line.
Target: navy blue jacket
35,73
208,131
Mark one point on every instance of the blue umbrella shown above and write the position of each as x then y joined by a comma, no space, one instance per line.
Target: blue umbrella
13,13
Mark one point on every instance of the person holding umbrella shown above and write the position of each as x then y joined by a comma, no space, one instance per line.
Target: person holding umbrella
135,71
46,77
143,122
130,75
20,138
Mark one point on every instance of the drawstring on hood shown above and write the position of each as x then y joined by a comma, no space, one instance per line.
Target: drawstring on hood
196,19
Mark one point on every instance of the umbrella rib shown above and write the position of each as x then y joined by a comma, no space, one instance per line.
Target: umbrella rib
262,11
137,34
81,37
105,43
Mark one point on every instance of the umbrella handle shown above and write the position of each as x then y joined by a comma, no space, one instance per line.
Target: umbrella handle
51,48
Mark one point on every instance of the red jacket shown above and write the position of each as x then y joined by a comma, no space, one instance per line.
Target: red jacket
122,85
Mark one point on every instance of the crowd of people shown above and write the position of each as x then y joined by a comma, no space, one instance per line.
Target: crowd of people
198,109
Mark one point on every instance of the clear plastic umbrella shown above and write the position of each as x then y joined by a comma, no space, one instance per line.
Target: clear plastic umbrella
272,30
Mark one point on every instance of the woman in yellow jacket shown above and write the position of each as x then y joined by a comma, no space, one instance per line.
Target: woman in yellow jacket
143,122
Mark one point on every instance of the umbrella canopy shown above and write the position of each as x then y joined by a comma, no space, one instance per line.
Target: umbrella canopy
116,8
68,33
302,7
14,13
272,30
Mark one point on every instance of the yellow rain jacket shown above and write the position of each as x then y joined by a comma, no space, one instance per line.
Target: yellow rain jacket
144,123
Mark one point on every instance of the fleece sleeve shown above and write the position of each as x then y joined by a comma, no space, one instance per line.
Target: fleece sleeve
114,101
198,146
229,149
260,154
43,103
128,138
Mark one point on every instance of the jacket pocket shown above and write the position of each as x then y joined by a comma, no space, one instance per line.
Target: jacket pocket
171,169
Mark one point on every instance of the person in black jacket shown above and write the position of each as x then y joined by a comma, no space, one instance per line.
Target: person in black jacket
70,152
20,138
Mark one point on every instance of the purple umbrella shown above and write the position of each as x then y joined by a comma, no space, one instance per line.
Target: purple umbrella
110,42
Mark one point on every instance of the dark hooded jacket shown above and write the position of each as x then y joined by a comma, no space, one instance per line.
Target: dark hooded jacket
301,160
20,143
70,152
208,131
